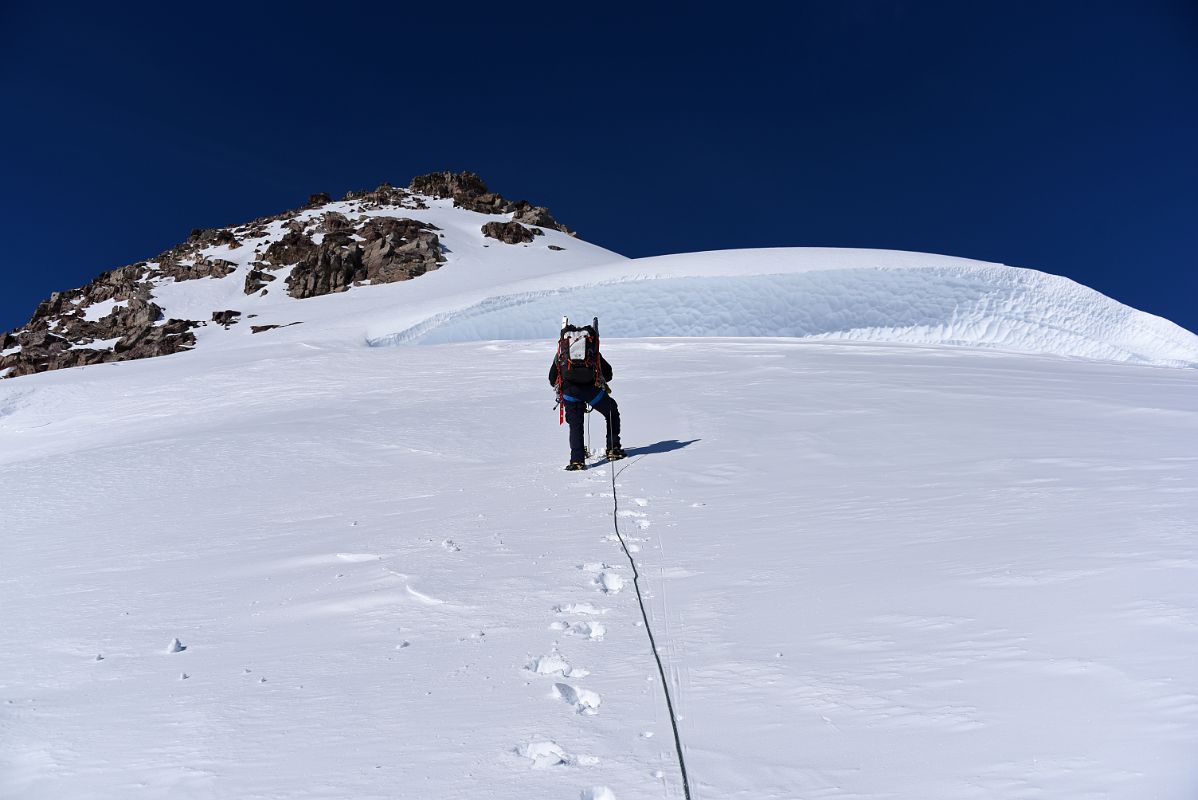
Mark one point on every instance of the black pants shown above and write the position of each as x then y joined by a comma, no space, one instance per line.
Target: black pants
575,410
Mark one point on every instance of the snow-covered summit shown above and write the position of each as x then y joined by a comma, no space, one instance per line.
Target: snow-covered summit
262,275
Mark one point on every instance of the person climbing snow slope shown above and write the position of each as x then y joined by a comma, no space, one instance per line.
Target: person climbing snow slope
580,375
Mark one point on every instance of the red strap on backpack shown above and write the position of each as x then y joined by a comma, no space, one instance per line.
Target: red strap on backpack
561,404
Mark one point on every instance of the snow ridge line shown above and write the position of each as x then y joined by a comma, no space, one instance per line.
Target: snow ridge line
661,670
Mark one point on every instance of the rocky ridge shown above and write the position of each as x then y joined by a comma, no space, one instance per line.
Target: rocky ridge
115,318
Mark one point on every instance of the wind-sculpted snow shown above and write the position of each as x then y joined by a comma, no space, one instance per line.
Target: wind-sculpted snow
790,294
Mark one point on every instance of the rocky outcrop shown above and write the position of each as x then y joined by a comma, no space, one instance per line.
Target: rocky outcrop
226,318
511,232
256,279
294,247
331,266
468,191
384,196
399,249
382,250
131,330
115,318
458,185
194,269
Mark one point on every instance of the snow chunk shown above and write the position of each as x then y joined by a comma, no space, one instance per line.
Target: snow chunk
584,700
587,630
544,754
610,582
555,664
597,793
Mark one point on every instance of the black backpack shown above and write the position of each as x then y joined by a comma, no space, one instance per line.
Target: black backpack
578,354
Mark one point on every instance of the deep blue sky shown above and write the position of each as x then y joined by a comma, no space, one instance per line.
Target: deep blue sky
1061,136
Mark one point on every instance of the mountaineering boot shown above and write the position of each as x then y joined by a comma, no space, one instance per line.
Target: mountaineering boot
615,453
574,466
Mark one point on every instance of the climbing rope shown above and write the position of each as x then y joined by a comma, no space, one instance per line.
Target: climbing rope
661,670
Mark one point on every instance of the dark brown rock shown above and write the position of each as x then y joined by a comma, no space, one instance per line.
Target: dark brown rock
225,318
394,250
384,195
176,326
256,279
539,216
261,328
225,236
468,191
293,248
333,221
319,199
332,266
194,270
448,184
510,232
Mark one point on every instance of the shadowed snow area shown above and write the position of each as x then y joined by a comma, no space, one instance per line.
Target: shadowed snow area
858,295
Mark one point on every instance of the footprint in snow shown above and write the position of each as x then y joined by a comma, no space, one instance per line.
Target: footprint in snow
597,793
584,700
587,630
609,582
548,754
555,664
580,608
544,755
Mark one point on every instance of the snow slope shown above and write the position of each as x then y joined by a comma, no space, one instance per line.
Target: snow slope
474,263
295,566
875,571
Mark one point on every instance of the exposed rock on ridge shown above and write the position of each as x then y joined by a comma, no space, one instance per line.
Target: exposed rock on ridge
379,250
468,191
316,253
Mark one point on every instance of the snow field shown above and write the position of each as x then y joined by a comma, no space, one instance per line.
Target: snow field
873,570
